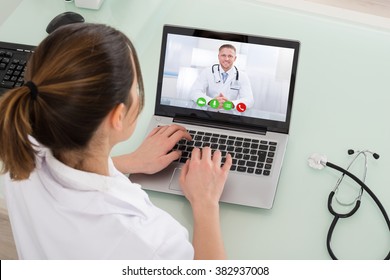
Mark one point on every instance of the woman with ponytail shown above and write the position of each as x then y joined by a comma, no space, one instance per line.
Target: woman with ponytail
66,197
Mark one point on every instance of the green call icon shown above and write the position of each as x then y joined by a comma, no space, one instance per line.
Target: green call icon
201,101
214,104
228,105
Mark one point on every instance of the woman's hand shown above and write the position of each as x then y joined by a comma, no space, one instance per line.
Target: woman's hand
154,154
202,178
202,181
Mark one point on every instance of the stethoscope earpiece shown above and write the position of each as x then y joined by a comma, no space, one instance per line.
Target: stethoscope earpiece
375,155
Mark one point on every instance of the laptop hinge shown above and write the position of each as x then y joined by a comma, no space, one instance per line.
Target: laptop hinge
221,125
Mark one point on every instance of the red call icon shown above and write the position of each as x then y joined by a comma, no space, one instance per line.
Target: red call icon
241,107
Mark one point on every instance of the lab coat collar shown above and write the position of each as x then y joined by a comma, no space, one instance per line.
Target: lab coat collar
231,72
116,186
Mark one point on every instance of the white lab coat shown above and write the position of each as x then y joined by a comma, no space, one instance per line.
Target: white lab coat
63,213
209,85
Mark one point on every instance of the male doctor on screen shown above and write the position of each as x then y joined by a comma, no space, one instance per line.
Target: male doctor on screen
222,86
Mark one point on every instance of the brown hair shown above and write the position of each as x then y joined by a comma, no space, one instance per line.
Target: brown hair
81,71
227,46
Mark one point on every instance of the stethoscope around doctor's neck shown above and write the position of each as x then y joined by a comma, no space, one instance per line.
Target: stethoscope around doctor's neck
217,77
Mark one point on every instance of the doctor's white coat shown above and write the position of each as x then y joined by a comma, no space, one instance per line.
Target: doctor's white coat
63,213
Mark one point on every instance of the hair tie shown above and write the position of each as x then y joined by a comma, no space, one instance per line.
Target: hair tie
33,89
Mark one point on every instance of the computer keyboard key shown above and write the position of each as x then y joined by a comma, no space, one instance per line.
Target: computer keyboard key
262,155
185,154
241,169
222,147
259,171
182,147
189,148
238,143
246,144
7,84
214,146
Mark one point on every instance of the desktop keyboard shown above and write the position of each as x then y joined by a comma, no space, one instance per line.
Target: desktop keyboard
13,60
252,156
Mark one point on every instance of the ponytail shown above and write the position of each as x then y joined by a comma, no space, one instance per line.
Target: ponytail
16,150
80,73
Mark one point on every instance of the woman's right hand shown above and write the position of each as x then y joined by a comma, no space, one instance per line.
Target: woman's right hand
203,178
202,181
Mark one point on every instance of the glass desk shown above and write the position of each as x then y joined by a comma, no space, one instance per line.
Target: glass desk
341,102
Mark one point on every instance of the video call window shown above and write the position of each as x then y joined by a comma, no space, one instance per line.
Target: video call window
268,69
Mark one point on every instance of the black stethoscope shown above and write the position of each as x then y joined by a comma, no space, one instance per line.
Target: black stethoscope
217,77
318,162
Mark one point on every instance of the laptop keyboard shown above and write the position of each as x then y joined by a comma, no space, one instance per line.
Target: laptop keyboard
251,156
13,60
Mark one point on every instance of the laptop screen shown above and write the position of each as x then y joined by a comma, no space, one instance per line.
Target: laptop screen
226,78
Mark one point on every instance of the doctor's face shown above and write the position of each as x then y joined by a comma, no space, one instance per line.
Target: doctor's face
226,57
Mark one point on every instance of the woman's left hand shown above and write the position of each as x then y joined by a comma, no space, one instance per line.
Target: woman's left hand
154,154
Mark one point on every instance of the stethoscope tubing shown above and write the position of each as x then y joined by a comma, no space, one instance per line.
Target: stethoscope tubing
365,187
213,72
353,211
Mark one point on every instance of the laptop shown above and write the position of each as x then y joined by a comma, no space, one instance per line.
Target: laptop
251,125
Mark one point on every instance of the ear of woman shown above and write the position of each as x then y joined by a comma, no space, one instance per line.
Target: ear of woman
117,116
